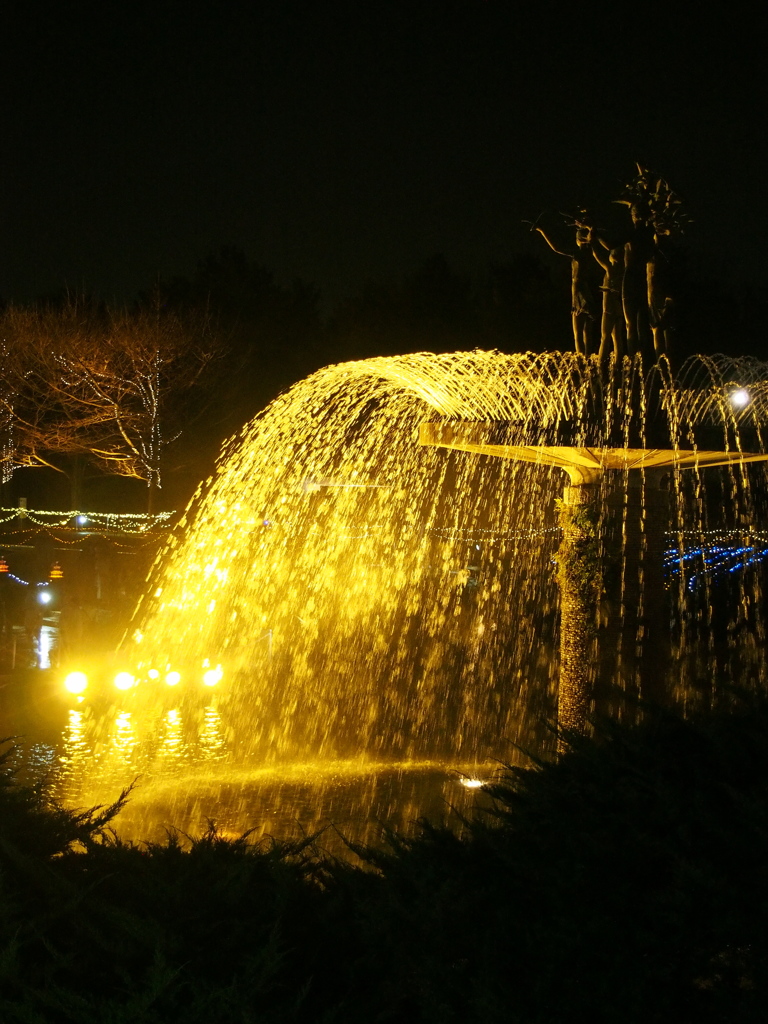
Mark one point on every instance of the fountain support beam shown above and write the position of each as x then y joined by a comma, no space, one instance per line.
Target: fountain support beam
579,577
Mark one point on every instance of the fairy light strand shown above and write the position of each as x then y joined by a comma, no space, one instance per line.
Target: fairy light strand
124,522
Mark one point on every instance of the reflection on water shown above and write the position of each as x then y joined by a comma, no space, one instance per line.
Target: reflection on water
45,644
74,753
192,764
212,746
119,747
172,749
33,645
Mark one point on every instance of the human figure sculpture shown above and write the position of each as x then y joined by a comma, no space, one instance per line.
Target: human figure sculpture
637,310
639,258
612,324
663,322
584,308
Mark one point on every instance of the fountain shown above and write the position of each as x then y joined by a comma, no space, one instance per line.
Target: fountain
384,575
327,518
342,603
642,458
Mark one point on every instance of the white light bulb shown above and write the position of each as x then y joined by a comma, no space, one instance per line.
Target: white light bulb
739,398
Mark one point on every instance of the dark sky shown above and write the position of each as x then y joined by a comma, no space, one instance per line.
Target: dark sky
338,140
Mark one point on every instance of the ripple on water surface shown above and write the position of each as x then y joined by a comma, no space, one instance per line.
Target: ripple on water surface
191,767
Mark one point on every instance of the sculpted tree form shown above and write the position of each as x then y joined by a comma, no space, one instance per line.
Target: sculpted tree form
657,213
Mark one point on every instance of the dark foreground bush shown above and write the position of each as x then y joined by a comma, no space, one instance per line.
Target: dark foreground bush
628,883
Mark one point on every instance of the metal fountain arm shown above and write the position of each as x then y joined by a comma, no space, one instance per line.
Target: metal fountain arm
583,465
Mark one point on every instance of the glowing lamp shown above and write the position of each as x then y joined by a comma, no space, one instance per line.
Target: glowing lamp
212,676
739,398
45,596
124,680
173,678
76,682
153,673
472,783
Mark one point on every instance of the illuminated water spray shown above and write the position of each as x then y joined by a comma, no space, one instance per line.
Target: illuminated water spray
351,592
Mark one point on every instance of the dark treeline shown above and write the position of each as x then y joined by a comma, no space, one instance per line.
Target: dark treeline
625,883
282,333
250,337
279,334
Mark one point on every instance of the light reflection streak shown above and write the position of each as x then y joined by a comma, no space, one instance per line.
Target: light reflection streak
47,639
171,755
123,739
212,742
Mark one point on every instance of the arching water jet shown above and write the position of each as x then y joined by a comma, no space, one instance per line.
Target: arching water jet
365,606
380,642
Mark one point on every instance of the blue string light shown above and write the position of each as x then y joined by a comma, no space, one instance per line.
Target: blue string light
25,583
712,560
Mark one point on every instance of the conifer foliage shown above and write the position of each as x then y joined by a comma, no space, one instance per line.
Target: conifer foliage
626,882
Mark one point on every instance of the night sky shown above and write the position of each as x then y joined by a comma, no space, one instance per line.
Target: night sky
338,141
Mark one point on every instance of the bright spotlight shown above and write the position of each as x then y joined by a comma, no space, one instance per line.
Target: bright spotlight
212,676
153,673
472,783
82,520
44,596
124,680
173,678
76,682
739,398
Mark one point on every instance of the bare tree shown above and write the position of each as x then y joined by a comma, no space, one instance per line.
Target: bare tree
108,389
